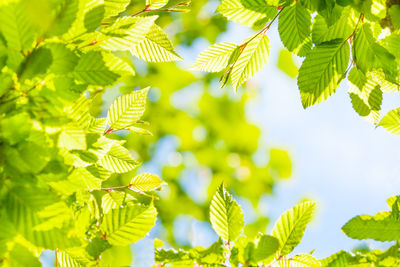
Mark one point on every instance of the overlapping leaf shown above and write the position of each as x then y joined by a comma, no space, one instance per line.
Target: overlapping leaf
369,55
322,71
155,47
295,29
366,95
118,160
215,58
341,29
114,7
253,57
247,12
124,226
125,33
17,30
391,121
154,4
92,69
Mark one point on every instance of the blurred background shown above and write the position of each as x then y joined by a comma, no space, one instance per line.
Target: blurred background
268,150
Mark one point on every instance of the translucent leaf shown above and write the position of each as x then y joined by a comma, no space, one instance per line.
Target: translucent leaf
66,15
369,55
63,59
225,215
254,56
118,159
97,125
156,47
366,95
79,111
21,256
178,257
154,4
92,69
336,260
248,12
392,44
125,33
322,71
301,260
381,227
127,225
68,259
16,27
295,29
117,65
342,29
127,109
290,227
22,208
114,7
215,58
72,138
391,121
145,182
115,199
266,246
88,18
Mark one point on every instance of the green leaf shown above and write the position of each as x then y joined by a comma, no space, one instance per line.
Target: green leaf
127,109
391,121
118,159
154,4
145,182
290,227
65,17
16,27
369,55
125,33
253,57
114,200
88,18
342,29
114,7
247,12
71,259
64,60
117,65
180,257
225,215
336,260
301,260
266,246
381,227
322,71
156,47
92,69
392,44
366,95
295,29
72,138
22,208
97,125
127,225
215,58
21,256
